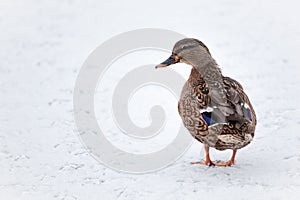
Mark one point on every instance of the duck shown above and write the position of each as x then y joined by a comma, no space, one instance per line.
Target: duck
214,108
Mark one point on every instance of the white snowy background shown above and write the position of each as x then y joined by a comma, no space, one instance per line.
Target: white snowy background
43,45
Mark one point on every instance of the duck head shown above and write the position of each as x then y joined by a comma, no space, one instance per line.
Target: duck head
190,51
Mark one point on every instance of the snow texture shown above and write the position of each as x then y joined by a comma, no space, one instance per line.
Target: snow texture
44,43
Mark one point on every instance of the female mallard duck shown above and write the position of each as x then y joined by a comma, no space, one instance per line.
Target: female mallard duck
214,108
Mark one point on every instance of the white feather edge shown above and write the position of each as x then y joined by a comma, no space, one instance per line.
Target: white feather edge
231,139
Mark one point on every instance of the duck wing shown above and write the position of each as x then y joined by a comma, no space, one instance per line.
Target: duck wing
234,107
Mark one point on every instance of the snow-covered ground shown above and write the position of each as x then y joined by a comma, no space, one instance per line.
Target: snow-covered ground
43,45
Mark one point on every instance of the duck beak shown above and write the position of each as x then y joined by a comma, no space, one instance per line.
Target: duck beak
171,60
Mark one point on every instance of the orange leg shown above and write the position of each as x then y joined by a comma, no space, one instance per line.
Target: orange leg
207,158
228,163
222,164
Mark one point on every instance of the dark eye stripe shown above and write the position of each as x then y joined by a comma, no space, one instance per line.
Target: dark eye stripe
185,48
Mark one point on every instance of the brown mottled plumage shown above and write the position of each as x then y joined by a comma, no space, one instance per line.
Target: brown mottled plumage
214,108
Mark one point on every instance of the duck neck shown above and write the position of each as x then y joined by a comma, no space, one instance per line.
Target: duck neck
205,67
209,71
211,74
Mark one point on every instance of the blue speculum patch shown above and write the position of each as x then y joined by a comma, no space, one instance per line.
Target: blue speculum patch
207,118
209,121
249,114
